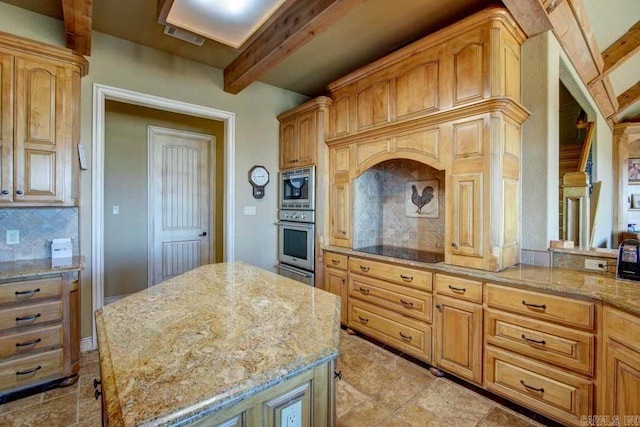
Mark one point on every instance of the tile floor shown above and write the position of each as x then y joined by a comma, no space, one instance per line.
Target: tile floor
379,388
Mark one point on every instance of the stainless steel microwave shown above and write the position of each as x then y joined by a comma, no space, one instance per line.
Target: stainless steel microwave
297,188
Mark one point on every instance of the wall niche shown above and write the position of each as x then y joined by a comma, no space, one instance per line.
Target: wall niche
400,203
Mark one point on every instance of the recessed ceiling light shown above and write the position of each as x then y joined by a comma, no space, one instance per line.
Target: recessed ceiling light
228,21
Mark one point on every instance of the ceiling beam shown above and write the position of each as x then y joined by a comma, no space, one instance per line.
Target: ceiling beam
629,97
530,15
301,22
616,54
78,24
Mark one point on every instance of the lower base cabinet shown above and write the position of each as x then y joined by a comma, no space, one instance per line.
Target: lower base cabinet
307,400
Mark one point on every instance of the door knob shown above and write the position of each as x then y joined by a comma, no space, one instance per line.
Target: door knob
204,233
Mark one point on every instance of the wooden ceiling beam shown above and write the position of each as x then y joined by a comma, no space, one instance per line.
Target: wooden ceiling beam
293,28
78,24
629,97
616,54
530,15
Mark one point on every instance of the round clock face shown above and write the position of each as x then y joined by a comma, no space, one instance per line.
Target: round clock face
259,176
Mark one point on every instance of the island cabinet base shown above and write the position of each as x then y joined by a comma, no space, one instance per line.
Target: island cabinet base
306,400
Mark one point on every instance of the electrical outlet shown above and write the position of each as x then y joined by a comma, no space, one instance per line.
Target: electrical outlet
13,237
115,210
595,264
291,416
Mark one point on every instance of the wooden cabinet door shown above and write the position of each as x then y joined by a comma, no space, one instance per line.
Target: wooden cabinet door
41,135
458,342
336,283
288,154
341,214
466,69
6,128
307,131
622,384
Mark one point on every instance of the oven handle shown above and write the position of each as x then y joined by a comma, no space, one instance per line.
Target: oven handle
305,275
295,224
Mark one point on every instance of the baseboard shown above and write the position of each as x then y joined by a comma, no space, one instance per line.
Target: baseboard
86,344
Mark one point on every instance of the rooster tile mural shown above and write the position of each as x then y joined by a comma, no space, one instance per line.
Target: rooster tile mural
387,210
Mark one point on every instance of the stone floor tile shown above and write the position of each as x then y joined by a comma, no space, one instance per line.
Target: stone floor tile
347,398
498,417
60,391
367,413
62,411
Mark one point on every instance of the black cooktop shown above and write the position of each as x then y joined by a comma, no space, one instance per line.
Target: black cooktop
404,253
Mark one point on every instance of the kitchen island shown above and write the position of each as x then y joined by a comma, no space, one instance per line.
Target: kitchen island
224,344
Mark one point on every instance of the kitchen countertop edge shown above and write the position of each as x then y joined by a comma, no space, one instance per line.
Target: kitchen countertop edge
622,294
38,267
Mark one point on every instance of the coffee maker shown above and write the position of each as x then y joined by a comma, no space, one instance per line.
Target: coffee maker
629,260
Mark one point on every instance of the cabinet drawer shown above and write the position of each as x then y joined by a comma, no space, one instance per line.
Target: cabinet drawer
336,261
30,341
542,306
470,290
401,299
30,314
561,346
554,393
408,335
394,273
31,369
30,290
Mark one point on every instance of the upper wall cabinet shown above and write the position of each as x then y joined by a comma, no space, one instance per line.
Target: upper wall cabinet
39,123
301,133
473,60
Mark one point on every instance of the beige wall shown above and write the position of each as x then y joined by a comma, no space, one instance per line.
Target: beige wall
125,185
118,63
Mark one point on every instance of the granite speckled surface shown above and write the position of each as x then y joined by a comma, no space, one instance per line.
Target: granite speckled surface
623,294
39,267
208,338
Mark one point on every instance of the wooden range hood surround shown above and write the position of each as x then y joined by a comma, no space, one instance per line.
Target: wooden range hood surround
452,102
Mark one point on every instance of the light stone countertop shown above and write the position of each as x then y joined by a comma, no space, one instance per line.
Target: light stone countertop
623,294
206,339
39,267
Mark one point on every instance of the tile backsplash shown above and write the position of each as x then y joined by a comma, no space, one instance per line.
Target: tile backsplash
37,226
383,213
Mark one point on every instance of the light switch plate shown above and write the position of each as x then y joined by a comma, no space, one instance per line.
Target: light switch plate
116,210
13,237
250,210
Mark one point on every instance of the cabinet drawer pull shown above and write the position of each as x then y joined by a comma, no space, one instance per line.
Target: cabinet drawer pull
541,342
539,390
27,344
406,278
454,289
363,268
362,319
405,337
19,192
364,291
344,233
540,306
29,371
343,280
5,192
32,292
28,318
407,304
335,261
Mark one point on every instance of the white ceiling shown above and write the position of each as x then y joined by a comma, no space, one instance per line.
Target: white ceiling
368,32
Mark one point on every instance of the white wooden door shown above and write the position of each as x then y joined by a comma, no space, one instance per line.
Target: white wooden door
180,197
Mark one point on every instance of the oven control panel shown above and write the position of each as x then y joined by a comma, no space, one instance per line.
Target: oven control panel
297,216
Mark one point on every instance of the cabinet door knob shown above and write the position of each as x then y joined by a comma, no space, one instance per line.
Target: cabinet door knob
439,306
19,192
455,245
5,192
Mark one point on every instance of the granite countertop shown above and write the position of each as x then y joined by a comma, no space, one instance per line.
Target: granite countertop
203,340
623,294
39,267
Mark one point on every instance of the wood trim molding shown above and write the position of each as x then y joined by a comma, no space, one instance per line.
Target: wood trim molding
100,94
320,101
629,97
292,29
78,24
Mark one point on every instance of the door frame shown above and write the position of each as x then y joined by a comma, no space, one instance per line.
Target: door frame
211,157
102,93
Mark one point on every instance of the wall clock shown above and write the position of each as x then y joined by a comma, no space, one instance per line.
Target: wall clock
258,178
